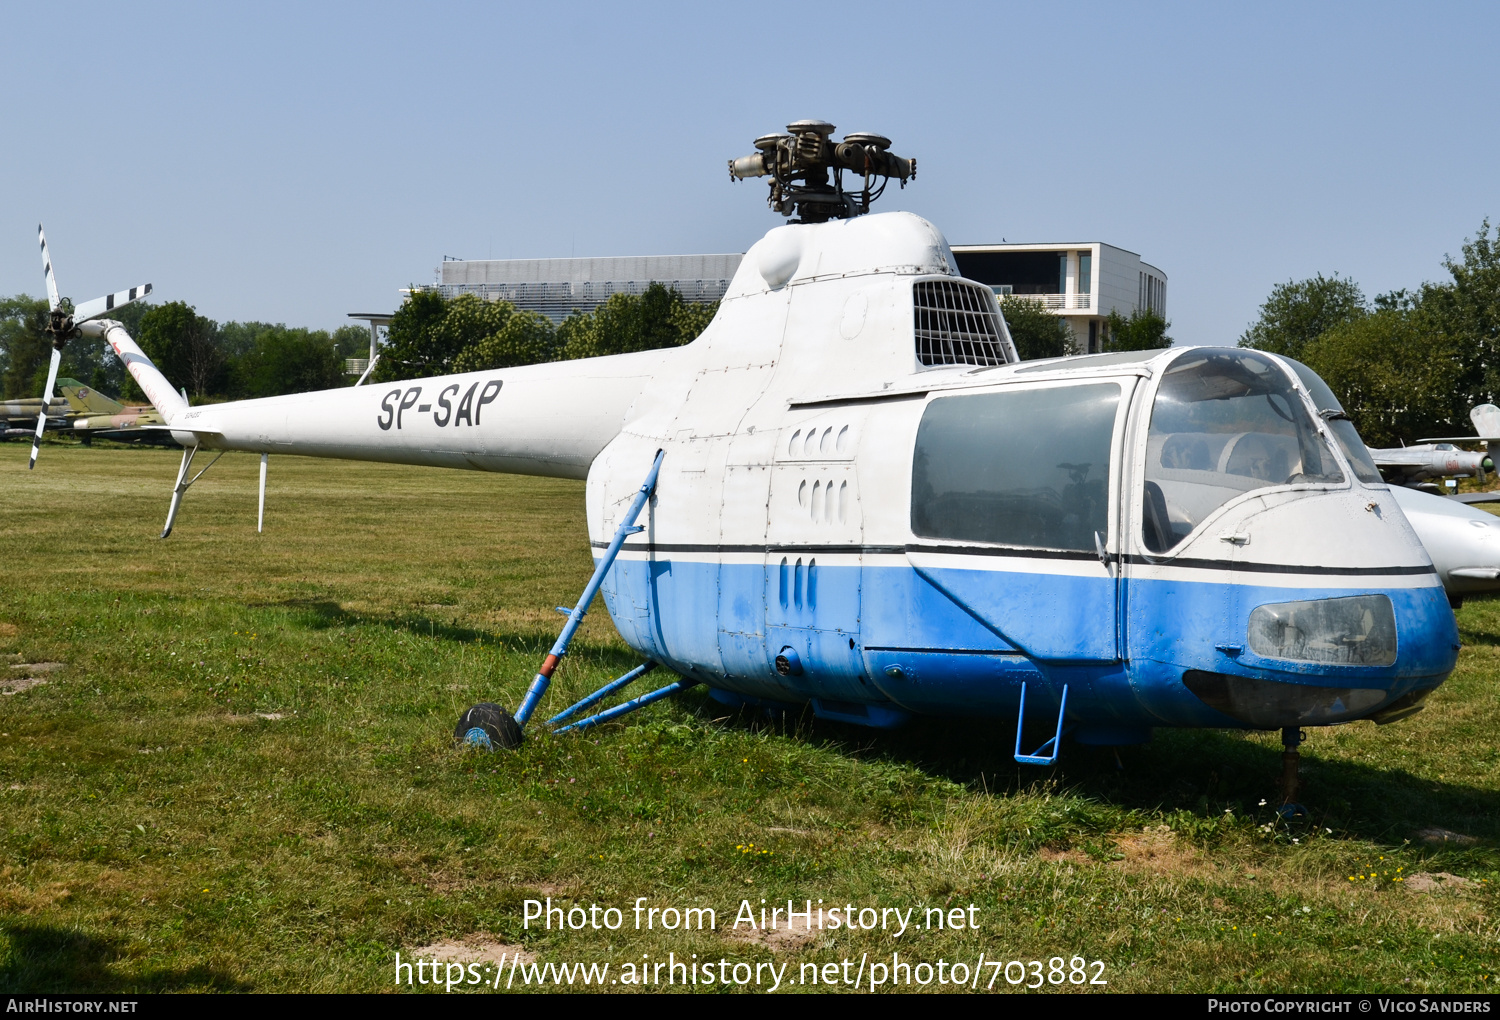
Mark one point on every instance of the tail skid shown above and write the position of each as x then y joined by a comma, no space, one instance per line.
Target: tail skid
166,400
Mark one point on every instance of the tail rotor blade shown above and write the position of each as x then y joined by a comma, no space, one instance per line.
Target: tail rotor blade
53,301
41,418
108,303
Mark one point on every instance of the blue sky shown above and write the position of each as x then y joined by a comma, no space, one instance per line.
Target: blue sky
296,162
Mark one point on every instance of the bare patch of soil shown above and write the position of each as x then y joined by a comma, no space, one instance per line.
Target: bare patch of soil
1437,881
20,684
787,935
1159,852
476,948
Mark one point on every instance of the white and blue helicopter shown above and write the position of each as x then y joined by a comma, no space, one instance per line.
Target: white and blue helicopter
849,493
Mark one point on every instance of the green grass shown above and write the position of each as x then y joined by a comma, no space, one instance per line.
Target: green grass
157,832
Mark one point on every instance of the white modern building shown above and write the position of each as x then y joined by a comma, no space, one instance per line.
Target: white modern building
1082,283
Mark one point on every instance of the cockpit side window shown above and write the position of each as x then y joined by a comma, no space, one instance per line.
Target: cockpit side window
1023,468
1339,424
1225,422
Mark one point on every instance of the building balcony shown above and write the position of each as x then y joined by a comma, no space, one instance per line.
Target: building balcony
1059,302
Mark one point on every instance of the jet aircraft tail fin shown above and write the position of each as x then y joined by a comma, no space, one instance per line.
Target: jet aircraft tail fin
87,400
1486,419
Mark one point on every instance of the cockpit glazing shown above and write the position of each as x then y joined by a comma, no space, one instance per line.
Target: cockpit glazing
1225,423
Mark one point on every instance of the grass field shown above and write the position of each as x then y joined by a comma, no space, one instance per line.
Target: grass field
243,775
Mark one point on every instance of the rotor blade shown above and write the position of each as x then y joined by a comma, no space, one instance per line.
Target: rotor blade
109,302
52,299
41,419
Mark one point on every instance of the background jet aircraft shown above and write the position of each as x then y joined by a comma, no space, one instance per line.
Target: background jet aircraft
27,408
82,409
1436,457
94,414
18,417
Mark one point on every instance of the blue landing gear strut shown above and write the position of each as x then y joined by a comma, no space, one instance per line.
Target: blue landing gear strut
1290,810
506,732
622,709
1039,756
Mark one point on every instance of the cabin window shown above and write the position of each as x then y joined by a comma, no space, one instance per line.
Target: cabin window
1225,422
1019,467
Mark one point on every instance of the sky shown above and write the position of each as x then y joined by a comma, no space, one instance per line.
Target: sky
296,162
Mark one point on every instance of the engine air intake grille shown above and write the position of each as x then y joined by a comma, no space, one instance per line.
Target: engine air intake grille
956,324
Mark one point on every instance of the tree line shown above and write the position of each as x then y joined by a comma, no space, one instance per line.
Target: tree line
429,335
211,360
433,335
1407,363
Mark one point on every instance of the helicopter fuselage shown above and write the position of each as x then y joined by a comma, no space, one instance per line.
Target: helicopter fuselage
868,504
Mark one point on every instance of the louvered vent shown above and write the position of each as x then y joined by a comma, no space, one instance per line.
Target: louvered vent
957,323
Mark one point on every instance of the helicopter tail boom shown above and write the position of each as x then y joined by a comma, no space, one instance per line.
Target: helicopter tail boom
147,376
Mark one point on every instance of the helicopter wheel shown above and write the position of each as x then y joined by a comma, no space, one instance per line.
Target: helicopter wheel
488,726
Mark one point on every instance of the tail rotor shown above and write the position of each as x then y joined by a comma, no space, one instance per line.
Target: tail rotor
62,325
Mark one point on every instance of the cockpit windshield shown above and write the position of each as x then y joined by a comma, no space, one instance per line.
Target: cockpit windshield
1225,422
1339,424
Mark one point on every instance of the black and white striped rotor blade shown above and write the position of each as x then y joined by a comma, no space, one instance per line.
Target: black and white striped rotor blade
41,418
52,299
109,302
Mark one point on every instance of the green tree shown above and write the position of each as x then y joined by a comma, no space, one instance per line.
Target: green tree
1144,330
185,347
1396,373
1036,332
24,348
1300,311
352,341
527,338
692,317
570,333
1467,309
632,322
428,332
283,360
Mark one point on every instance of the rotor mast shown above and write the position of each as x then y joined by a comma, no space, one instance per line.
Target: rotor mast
801,162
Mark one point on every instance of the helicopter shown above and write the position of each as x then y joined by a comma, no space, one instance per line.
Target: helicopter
849,493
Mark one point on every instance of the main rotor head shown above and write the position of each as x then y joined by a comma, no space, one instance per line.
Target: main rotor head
799,165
